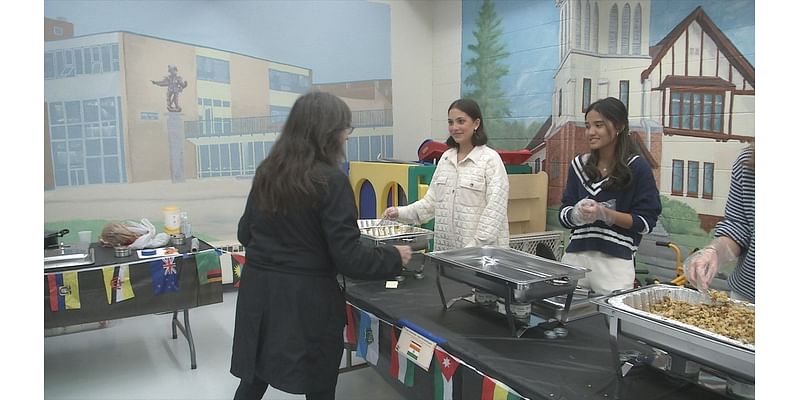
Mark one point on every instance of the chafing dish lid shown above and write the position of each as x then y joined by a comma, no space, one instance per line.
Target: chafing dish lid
508,264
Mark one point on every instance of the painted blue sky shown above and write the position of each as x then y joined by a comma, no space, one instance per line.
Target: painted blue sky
530,34
339,40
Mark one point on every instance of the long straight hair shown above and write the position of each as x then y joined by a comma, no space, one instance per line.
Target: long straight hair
471,108
620,177
312,134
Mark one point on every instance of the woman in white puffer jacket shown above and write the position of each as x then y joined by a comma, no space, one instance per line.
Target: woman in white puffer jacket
468,193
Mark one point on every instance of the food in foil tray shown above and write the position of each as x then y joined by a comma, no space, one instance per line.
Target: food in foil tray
387,230
722,316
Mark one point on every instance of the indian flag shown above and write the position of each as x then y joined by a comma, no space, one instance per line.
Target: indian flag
494,390
444,370
401,367
117,281
413,350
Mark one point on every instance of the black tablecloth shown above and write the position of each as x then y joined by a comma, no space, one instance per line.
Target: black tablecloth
578,366
94,305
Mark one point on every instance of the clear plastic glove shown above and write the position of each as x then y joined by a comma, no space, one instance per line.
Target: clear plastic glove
405,253
587,211
702,266
391,213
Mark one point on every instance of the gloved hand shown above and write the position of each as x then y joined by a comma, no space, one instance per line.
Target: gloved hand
702,266
587,211
391,213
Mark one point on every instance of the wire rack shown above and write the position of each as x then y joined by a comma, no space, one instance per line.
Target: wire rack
528,242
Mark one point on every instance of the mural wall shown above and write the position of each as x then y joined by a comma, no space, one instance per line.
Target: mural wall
152,104
686,76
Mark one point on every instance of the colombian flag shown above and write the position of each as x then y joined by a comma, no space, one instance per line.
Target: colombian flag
63,290
117,282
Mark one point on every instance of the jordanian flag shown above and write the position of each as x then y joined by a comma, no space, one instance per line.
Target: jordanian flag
493,390
368,337
117,281
64,293
401,367
444,370
165,275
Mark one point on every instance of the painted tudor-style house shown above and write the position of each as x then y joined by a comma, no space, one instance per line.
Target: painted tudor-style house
701,90
690,98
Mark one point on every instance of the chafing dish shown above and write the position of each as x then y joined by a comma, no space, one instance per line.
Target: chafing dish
515,276
67,256
629,313
377,232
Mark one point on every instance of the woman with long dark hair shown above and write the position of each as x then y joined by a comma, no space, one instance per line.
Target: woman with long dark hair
609,201
468,195
299,229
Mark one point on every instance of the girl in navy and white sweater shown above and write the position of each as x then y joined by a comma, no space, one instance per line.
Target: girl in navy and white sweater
610,200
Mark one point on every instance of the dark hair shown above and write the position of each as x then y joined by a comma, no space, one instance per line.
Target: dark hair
471,108
311,135
613,111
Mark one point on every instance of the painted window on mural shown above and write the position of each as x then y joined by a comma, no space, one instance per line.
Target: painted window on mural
213,69
578,21
587,25
587,94
76,61
626,29
677,177
86,141
624,92
696,111
708,180
693,178
289,82
636,44
596,27
559,102
613,21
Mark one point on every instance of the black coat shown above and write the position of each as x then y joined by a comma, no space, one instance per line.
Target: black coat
290,310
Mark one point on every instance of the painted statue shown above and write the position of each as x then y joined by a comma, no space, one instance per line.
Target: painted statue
175,85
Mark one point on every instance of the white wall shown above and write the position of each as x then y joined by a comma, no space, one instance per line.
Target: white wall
426,70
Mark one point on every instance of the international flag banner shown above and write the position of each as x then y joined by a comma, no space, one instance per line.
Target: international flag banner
64,291
444,370
117,282
368,337
401,367
237,260
208,267
494,390
165,275
350,327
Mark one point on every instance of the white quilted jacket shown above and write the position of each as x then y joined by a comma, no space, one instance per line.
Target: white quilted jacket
467,200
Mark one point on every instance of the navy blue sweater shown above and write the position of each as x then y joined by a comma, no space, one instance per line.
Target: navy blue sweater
641,200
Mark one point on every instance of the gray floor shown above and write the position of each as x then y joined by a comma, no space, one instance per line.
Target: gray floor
136,358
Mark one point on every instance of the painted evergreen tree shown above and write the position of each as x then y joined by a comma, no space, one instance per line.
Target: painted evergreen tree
484,83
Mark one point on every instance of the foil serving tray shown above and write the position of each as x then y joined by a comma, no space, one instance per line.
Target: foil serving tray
629,313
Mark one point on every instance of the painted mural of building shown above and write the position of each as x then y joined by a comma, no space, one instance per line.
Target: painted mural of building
603,49
701,90
106,122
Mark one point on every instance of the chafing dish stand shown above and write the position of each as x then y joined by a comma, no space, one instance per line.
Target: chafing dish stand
518,278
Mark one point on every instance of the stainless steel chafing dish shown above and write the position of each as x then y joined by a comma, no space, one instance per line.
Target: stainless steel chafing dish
515,276
629,313
379,232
